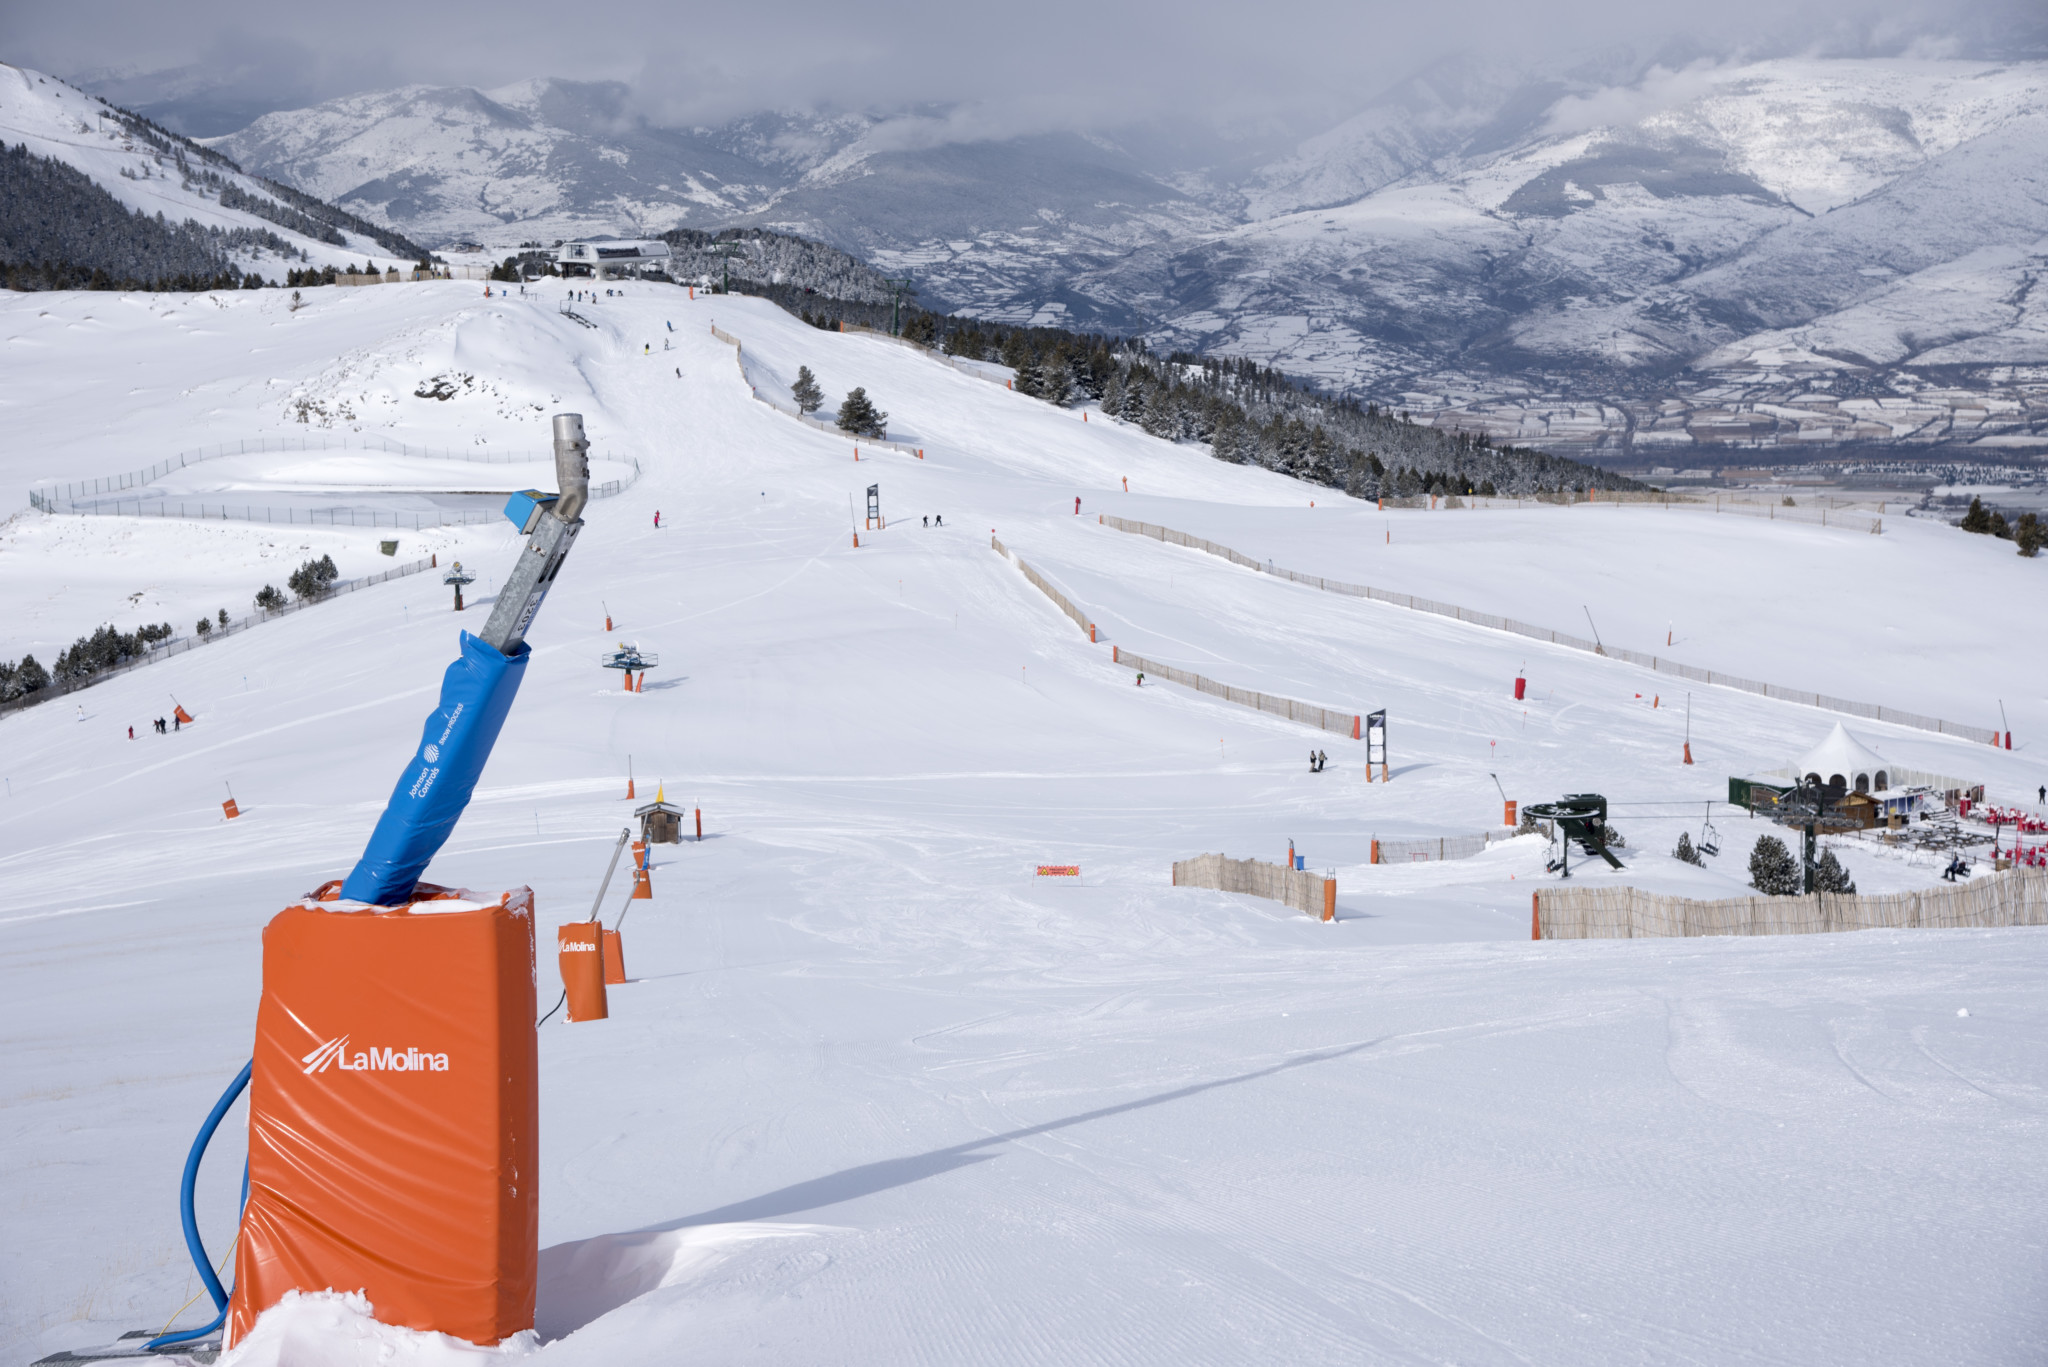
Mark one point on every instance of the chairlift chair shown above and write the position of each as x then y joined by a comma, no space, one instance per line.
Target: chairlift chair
1710,839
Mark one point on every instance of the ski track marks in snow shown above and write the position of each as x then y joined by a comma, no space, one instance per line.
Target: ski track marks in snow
877,1094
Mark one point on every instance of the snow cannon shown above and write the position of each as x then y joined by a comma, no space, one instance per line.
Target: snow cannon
393,1092
477,690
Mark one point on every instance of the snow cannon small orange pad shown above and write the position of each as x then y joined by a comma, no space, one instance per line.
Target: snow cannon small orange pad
394,1113
580,950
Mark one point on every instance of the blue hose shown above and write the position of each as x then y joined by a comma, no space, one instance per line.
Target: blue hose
192,1242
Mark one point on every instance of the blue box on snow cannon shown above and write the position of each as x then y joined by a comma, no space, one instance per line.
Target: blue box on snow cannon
524,508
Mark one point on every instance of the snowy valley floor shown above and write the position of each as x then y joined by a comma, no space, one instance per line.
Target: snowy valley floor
876,1093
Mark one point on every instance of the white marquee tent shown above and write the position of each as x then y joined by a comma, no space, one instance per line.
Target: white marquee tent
1843,759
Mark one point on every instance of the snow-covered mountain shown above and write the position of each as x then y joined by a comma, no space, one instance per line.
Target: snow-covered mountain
151,172
542,158
1650,228
1615,226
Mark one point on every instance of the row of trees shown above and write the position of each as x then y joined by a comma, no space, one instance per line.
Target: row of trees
109,648
286,207
2029,533
1255,415
1774,871
56,224
1243,412
785,267
60,230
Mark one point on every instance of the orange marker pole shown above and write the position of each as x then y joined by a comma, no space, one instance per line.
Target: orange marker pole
1535,916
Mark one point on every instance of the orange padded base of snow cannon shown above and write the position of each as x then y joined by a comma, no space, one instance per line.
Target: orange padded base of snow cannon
394,1114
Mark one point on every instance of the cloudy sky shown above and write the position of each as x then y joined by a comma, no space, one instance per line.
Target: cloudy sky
1279,64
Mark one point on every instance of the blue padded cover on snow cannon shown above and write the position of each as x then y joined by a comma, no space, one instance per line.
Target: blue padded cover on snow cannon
476,693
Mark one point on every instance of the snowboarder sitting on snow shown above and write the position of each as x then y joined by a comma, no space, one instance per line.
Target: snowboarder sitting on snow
1956,867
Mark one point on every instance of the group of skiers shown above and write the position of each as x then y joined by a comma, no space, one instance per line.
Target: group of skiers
163,728
1316,760
938,521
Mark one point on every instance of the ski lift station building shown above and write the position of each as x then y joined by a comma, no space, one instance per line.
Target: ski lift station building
606,259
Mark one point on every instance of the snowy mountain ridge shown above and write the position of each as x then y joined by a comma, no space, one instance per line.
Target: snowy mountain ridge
56,120
1479,238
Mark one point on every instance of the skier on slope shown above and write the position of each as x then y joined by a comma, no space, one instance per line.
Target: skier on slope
657,519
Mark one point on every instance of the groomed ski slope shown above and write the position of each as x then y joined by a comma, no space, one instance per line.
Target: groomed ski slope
876,1093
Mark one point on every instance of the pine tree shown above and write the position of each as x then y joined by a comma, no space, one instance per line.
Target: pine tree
223,615
1056,381
859,417
1977,520
311,579
1830,876
2031,534
205,626
1772,869
1026,381
809,398
268,599
1686,854
19,679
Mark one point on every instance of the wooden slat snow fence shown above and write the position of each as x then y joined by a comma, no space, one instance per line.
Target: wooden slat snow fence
2018,897
1429,848
1038,581
1307,892
1308,714
1488,620
1322,718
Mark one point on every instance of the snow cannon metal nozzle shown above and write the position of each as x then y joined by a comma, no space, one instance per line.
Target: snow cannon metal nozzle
551,524
572,465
